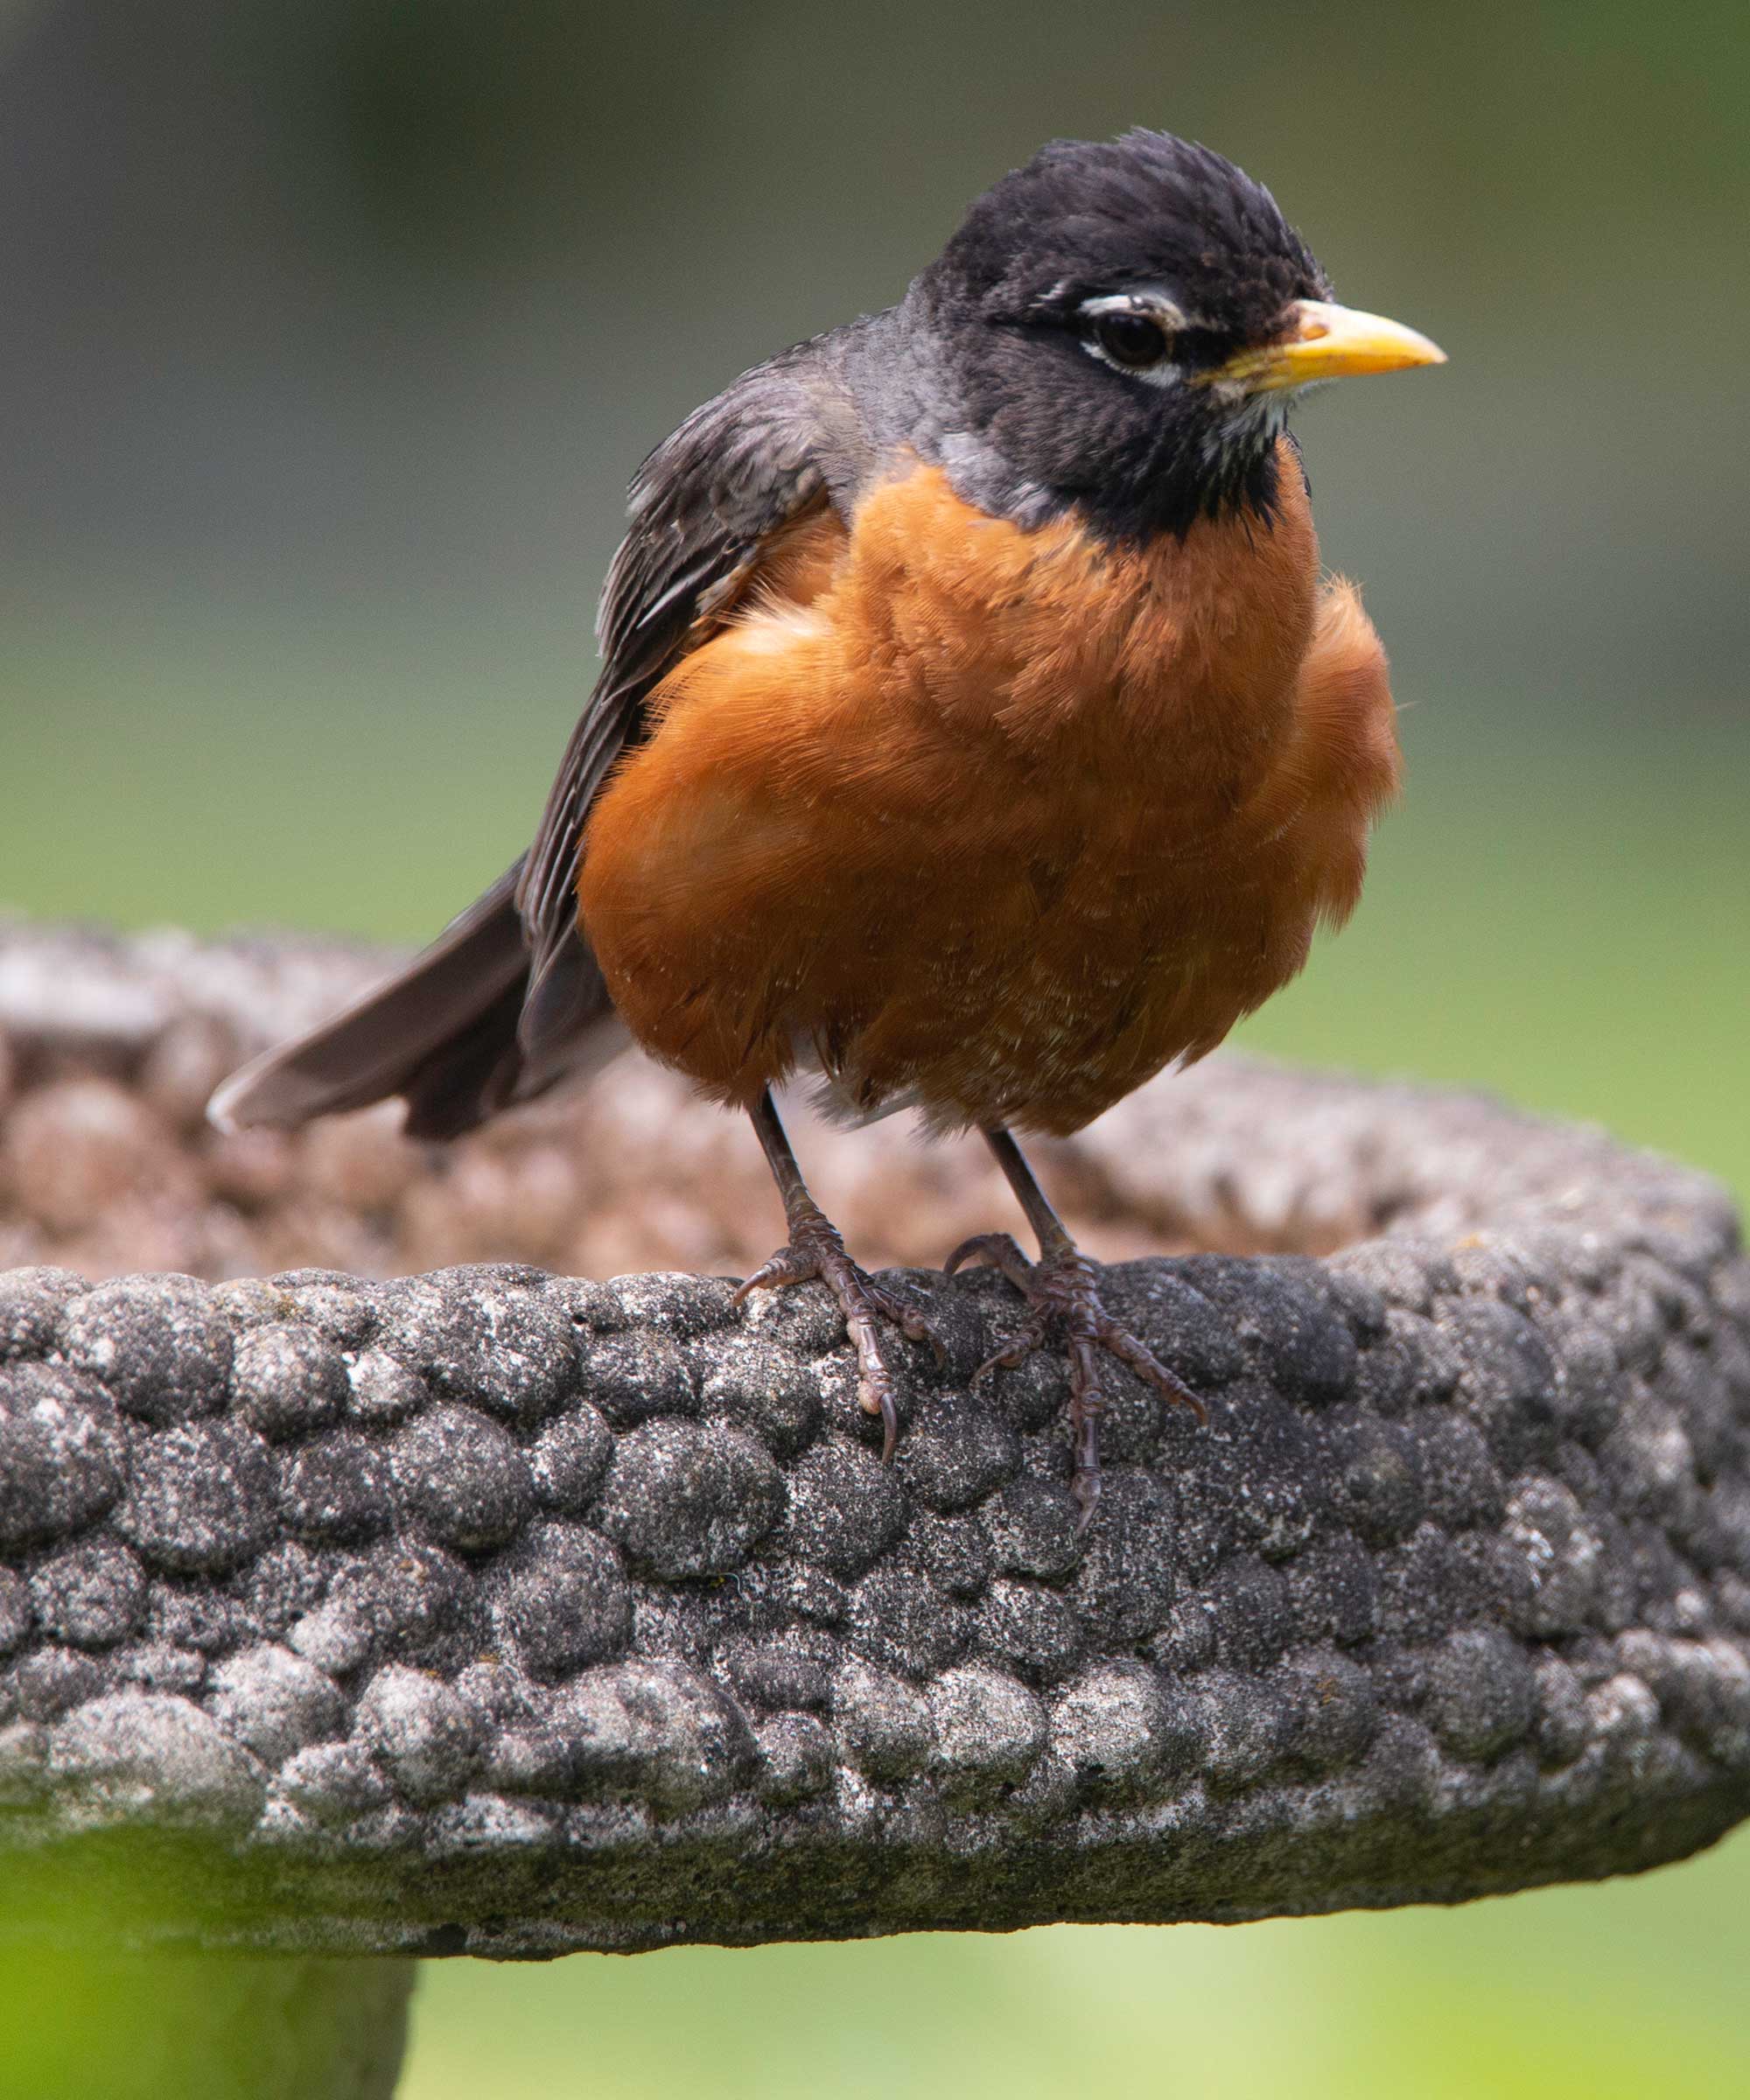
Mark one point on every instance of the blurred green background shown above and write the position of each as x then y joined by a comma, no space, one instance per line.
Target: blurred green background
329,334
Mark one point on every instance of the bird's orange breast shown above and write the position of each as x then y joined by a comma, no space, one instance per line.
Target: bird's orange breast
1001,822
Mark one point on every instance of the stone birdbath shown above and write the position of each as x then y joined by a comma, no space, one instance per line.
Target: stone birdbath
489,1612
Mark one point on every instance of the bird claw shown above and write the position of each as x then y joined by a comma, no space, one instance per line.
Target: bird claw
997,1250
817,1252
901,1313
1062,1290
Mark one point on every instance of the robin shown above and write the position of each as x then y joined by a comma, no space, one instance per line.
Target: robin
976,730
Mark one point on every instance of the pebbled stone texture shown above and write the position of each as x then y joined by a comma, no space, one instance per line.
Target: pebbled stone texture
497,1612
496,1668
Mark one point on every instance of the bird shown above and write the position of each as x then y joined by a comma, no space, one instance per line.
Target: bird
977,732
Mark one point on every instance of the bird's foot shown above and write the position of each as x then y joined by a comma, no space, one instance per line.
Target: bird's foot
1062,1290
816,1251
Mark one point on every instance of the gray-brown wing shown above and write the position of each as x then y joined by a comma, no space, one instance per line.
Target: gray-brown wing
508,998
701,505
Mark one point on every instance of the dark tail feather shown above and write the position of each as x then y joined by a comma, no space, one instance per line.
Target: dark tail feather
443,1033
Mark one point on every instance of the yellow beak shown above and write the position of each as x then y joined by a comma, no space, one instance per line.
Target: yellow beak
1325,342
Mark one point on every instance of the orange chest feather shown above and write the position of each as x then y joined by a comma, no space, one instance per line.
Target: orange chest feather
931,628
1000,819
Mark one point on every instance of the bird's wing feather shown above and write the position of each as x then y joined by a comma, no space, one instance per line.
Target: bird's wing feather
509,999
703,506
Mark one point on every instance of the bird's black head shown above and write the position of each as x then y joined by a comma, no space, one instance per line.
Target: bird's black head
1123,324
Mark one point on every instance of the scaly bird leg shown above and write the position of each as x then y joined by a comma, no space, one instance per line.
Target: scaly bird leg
1060,1289
816,1250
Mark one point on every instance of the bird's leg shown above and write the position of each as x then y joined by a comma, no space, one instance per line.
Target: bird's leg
1060,1289
816,1250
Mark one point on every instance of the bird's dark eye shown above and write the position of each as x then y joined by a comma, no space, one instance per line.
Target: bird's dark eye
1130,339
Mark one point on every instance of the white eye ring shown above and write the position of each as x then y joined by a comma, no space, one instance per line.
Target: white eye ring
1150,304
1147,305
